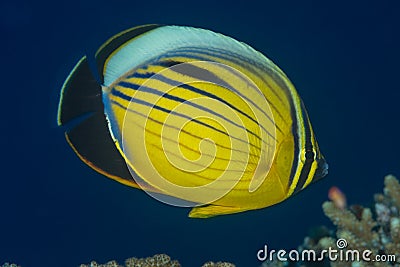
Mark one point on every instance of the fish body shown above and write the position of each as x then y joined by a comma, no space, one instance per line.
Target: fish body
194,118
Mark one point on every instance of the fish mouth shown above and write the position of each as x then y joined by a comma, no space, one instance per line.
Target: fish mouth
322,169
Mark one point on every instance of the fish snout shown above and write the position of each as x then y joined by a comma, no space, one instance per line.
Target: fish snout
322,169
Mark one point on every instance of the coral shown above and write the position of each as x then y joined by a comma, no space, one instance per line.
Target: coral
358,232
218,264
358,228
274,263
392,191
161,260
10,265
95,264
364,230
158,260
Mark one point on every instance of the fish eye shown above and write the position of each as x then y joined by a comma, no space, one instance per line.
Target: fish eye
310,154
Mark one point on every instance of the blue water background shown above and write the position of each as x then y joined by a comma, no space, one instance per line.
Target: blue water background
343,57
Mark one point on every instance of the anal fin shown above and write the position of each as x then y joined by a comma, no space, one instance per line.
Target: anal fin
93,143
213,210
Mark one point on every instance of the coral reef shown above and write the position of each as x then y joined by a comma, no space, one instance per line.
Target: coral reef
363,230
374,230
158,260
10,265
218,264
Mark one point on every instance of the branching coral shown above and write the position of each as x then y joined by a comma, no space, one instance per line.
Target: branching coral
388,216
218,264
392,192
358,232
375,229
274,263
378,233
158,260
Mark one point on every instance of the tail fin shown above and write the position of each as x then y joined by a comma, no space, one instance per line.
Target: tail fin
81,98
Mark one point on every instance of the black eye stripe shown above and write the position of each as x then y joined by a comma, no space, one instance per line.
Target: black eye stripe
309,155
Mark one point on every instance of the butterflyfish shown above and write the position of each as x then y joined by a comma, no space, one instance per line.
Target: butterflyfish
193,117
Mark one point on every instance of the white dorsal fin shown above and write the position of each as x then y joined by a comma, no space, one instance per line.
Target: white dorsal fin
164,39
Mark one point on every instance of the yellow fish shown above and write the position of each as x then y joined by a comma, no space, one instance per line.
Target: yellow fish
192,117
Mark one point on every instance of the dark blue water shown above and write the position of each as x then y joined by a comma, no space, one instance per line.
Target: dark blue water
343,58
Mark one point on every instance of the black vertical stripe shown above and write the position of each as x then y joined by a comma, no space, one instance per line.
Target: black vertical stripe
309,154
295,163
